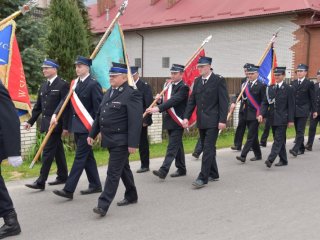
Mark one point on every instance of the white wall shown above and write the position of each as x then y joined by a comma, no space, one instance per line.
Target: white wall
233,44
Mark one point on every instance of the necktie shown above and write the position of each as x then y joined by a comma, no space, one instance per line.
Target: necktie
112,92
299,82
277,88
250,84
48,83
204,81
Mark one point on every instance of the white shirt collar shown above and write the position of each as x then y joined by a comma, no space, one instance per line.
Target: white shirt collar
301,79
207,76
176,83
279,84
52,79
253,82
82,79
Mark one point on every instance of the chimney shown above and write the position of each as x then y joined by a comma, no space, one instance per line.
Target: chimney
104,4
153,2
171,3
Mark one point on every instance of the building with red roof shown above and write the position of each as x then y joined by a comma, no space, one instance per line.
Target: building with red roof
161,32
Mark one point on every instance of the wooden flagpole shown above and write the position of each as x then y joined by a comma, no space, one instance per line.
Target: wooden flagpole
64,105
187,65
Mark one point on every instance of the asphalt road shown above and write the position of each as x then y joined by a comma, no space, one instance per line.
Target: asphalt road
250,202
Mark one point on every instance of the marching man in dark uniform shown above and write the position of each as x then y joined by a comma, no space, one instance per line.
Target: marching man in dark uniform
81,111
278,107
253,95
10,146
147,98
241,128
173,107
314,121
50,94
119,120
210,96
304,104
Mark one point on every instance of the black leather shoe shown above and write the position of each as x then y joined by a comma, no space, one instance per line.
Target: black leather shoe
177,174
211,179
235,148
11,226
256,158
280,164
159,174
91,191
268,163
198,183
300,152
63,193
294,153
36,185
242,159
308,147
142,170
57,182
100,211
196,155
263,144
125,202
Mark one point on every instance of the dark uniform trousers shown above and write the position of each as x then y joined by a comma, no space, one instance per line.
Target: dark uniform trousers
314,121
118,167
90,94
252,139
266,131
84,159
198,148
53,150
312,129
49,97
119,119
278,108
211,99
175,151
241,128
279,144
147,98
305,103
257,90
6,205
209,164
10,143
144,148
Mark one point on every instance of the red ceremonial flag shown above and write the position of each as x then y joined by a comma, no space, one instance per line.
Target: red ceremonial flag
190,74
11,70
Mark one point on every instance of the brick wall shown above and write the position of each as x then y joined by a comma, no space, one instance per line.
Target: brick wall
28,139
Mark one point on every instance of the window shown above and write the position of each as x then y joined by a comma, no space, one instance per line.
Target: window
137,62
165,62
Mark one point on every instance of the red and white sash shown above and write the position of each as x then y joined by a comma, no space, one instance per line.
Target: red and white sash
172,113
80,110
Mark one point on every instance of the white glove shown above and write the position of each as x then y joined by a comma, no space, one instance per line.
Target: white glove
15,161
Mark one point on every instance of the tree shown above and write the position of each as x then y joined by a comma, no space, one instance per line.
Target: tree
85,15
30,33
67,35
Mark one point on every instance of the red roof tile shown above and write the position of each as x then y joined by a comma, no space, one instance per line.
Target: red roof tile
140,14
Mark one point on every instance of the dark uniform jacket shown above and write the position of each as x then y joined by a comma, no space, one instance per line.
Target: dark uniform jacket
90,95
278,105
317,97
177,101
49,98
10,143
147,98
304,97
258,91
119,118
211,100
